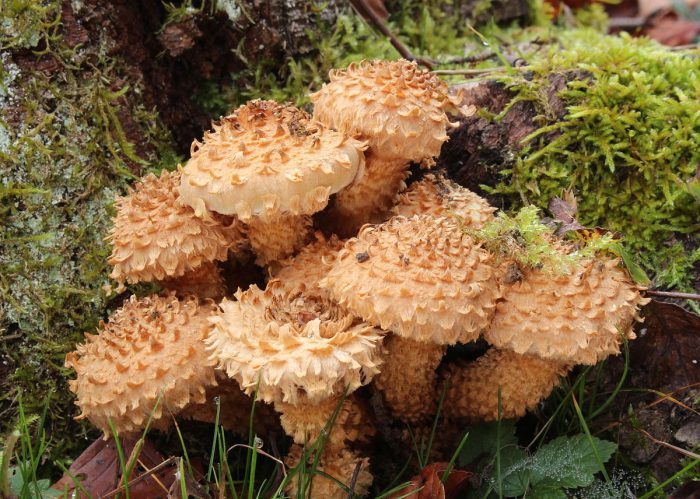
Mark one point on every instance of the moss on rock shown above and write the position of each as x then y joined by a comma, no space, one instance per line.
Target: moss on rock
627,144
64,154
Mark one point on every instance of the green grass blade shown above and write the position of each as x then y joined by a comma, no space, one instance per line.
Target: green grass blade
587,431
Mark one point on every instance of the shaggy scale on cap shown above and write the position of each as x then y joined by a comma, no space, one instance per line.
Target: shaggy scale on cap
268,159
302,348
340,465
525,380
151,345
421,278
272,166
155,236
580,318
397,106
439,196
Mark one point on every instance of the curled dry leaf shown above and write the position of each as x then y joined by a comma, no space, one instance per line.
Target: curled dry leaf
97,470
428,483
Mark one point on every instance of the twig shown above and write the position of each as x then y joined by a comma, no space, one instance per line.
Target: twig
484,56
627,22
353,480
140,478
467,72
366,11
674,294
680,450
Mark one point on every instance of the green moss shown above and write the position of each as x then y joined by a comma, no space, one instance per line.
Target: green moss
524,238
63,158
626,146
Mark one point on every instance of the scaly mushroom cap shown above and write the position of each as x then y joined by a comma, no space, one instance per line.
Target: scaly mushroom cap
397,106
525,380
203,282
581,317
340,465
151,345
439,196
155,236
302,348
310,265
267,159
421,277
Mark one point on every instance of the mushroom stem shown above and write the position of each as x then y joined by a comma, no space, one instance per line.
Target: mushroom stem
272,240
524,380
369,199
408,377
305,422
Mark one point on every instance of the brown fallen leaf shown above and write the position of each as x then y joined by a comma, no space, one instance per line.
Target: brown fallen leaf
667,27
98,471
428,485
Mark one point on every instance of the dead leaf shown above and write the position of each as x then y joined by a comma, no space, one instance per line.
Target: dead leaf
428,485
98,471
667,354
668,28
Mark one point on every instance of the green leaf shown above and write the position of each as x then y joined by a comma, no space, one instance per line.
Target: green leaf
542,492
569,461
482,441
515,471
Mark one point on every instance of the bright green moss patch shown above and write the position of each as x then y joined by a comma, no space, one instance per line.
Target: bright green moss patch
64,155
627,145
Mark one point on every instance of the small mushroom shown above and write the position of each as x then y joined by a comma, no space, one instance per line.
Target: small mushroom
339,465
297,348
272,166
524,380
425,280
151,352
439,196
400,109
579,317
155,237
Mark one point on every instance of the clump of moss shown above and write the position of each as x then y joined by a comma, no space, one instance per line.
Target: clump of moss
63,156
627,144
525,239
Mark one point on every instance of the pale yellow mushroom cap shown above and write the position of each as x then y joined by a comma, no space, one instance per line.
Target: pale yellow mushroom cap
579,317
397,106
302,348
155,236
268,159
422,278
439,196
151,345
524,380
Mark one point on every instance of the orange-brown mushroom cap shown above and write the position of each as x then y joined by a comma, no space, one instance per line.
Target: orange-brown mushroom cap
439,196
267,160
293,347
422,278
580,317
310,265
397,106
152,347
155,236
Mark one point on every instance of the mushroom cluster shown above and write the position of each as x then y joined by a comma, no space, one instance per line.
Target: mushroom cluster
376,310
